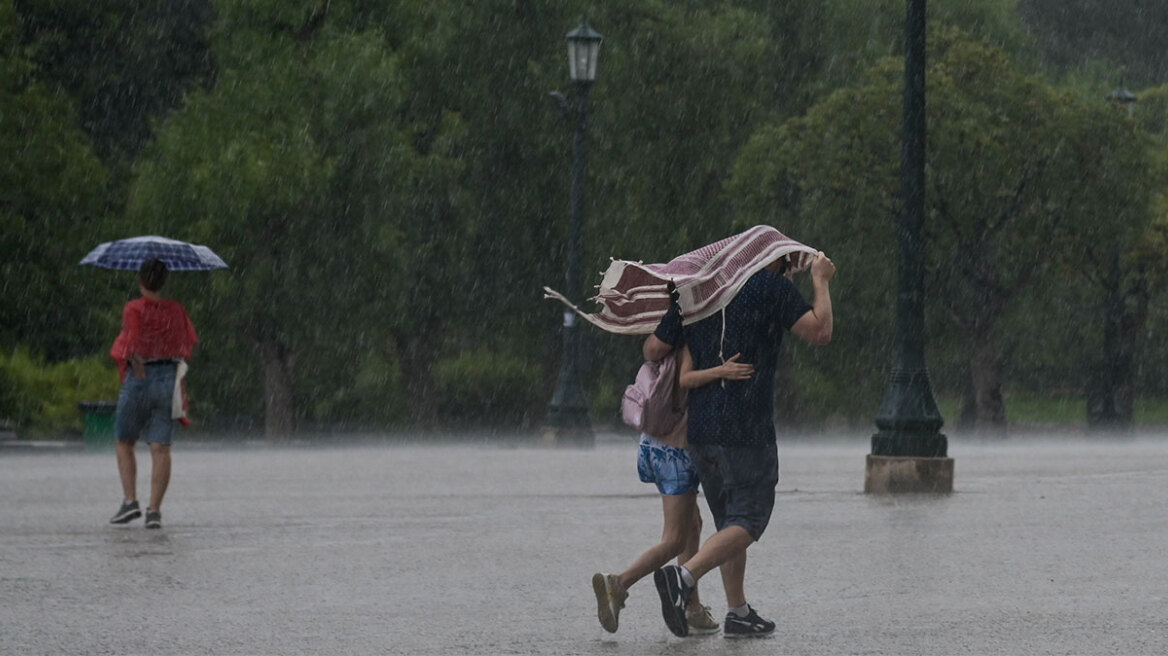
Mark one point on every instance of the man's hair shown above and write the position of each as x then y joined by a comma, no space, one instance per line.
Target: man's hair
152,275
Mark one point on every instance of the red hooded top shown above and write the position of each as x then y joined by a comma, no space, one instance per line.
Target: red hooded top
155,330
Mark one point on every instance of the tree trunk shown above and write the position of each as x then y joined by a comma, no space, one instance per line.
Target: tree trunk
418,356
967,418
989,414
1109,404
279,409
1111,388
1131,328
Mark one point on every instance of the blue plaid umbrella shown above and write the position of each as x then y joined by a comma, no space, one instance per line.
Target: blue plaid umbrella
129,254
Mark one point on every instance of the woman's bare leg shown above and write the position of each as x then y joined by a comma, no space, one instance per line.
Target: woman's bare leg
680,512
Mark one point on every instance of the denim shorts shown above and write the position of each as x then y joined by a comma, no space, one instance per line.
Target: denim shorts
739,484
144,406
667,466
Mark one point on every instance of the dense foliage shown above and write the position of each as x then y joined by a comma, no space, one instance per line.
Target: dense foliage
389,182
1018,174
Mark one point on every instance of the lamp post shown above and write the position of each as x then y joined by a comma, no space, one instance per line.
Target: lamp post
908,453
567,419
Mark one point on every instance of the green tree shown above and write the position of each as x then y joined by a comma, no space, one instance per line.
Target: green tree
125,64
823,46
50,211
410,147
681,86
489,65
686,84
1101,40
1016,169
1130,274
296,166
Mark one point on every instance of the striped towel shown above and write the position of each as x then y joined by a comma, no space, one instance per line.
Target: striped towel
634,296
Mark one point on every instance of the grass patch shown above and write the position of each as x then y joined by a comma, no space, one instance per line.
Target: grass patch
950,408
1046,410
1065,410
1151,411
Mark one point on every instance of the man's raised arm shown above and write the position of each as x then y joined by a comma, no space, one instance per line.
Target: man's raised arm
815,327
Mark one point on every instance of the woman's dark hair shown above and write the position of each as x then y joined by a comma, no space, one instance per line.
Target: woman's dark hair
152,275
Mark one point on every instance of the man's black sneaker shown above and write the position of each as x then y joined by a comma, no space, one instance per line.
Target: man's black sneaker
751,626
129,511
674,595
153,519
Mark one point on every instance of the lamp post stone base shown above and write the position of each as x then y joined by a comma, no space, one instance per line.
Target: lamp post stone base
908,474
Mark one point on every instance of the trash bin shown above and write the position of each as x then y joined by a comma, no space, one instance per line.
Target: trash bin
98,423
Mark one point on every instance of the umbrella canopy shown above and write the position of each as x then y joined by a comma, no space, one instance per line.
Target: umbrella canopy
129,254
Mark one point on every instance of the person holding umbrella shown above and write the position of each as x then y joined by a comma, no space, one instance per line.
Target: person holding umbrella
156,339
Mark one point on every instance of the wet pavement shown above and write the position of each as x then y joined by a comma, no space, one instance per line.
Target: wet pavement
392,548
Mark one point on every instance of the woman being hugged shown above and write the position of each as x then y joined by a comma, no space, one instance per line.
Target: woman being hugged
665,462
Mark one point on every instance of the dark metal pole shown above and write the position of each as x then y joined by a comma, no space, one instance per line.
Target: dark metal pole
908,419
569,406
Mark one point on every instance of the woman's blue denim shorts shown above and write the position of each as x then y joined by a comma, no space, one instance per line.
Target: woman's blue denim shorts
667,466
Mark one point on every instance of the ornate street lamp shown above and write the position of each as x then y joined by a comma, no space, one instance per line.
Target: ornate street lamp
908,452
567,419
583,51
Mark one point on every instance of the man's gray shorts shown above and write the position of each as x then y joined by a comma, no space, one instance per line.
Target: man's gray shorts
144,406
739,483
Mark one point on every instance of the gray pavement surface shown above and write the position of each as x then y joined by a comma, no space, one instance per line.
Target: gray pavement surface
1046,547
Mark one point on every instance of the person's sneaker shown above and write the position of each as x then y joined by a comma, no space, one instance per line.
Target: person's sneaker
128,512
153,519
674,595
751,626
701,621
610,599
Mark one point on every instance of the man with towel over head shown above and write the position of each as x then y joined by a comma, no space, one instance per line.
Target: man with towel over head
735,300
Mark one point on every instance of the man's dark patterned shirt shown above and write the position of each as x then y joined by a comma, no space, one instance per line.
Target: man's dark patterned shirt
738,412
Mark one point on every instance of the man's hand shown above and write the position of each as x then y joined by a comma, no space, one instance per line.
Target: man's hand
822,268
139,366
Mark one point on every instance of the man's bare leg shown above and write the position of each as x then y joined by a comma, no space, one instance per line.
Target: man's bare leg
692,544
733,575
128,470
728,543
159,474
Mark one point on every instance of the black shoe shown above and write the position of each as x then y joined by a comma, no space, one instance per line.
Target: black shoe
153,519
674,595
129,511
751,626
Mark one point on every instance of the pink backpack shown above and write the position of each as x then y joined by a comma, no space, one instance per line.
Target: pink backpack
655,402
